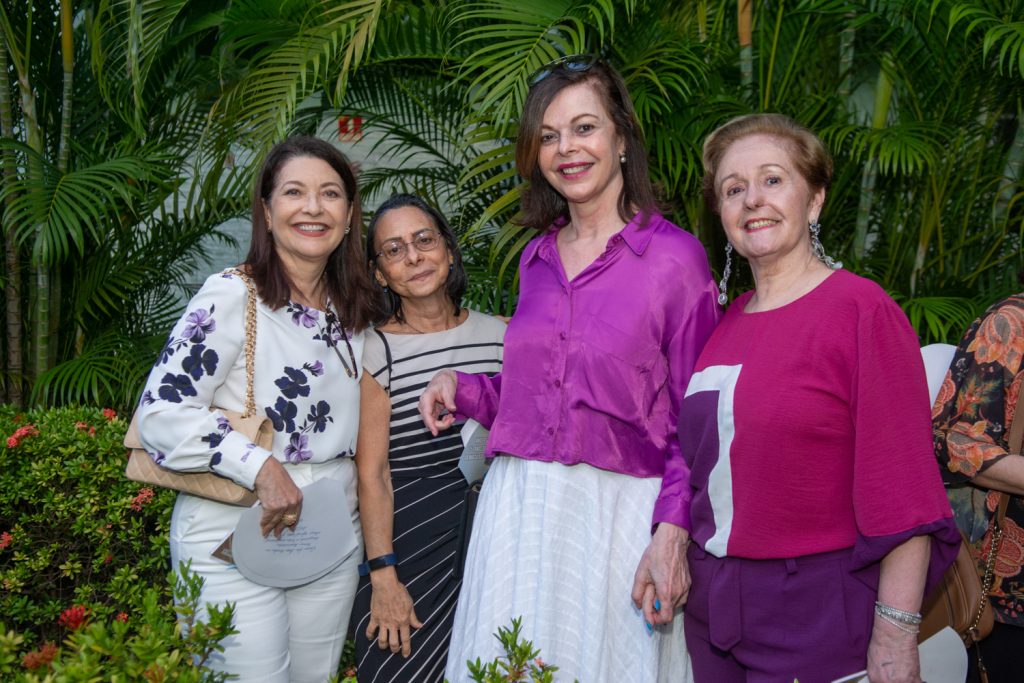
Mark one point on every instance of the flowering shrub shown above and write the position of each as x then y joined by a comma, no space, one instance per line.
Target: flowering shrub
79,543
84,558
160,644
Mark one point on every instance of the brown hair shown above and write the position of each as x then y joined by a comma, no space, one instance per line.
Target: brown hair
809,155
541,205
345,277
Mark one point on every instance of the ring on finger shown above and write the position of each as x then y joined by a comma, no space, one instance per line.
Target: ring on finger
290,519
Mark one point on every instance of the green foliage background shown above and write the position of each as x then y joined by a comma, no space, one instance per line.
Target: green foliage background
126,146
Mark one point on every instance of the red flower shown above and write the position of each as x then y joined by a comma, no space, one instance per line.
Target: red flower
110,414
86,427
6,539
73,618
122,617
154,673
144,496
20,433
39,658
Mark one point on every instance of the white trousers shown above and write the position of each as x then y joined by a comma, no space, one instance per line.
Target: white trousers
284,634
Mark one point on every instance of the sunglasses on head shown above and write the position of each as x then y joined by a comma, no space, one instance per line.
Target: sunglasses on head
576,63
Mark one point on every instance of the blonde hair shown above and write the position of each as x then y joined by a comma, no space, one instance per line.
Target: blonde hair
808,153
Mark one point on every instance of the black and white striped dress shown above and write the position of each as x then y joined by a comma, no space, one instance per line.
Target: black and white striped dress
429,491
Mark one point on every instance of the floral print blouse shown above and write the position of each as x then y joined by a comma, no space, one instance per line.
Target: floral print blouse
300,383
971,420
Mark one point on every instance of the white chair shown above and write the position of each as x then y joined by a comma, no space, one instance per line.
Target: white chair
937,359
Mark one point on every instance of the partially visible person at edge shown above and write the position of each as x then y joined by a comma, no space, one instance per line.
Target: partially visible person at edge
971,421
314,299
615,304
816,512
411,490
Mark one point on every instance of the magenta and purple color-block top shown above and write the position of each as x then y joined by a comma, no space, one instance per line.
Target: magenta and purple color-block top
595,368
807,429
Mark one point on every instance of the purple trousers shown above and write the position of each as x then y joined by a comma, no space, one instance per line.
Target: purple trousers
774,621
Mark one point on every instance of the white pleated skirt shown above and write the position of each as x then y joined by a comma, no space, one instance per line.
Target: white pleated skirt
558,546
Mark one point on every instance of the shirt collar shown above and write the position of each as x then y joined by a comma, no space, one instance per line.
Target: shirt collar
635,235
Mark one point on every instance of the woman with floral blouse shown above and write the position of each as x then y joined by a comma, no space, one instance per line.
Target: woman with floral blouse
314,299
971,419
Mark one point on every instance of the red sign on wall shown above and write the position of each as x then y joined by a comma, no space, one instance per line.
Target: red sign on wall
350,128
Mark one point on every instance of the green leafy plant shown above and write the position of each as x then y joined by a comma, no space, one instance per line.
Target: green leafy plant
521,661
158,643
76,537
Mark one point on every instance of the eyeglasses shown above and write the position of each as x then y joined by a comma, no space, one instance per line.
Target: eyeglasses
393,251
575,63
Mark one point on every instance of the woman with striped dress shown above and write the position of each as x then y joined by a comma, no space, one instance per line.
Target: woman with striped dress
411,489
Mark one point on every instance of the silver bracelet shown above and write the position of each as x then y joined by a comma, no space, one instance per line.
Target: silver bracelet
902,616
913,630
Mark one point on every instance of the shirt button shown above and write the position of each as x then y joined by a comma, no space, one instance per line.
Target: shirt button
551,431
558,382
561,335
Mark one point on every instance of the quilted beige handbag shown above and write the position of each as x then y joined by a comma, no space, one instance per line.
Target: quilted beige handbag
142,468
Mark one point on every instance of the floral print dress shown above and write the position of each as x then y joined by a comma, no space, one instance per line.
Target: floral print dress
305,382
971,420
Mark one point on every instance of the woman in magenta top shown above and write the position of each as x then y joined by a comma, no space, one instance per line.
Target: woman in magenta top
615,305
816,513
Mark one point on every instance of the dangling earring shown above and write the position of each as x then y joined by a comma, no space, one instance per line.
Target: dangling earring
622,158
723,298
347,228
819,251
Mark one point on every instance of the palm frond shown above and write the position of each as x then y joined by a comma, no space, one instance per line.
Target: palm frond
938,318
56,213
282,75
508,40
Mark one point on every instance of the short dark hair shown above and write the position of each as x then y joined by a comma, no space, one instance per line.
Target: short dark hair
806,149
345,277
541,205
455,286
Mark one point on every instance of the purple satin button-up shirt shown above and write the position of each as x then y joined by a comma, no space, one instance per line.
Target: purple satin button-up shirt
595,368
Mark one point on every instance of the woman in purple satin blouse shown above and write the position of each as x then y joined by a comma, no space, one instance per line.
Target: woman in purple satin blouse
615,305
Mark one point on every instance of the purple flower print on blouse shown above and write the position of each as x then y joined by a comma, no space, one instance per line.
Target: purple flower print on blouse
296,450
199,323
316,369
303,315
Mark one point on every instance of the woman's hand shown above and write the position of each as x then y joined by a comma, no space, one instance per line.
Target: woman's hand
391,613
892,655
437,404
280,498
662,579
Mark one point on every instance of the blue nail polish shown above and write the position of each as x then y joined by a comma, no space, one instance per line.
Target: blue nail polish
657,604
650,629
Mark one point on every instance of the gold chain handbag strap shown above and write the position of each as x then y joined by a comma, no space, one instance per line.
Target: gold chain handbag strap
250,340
1013,443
